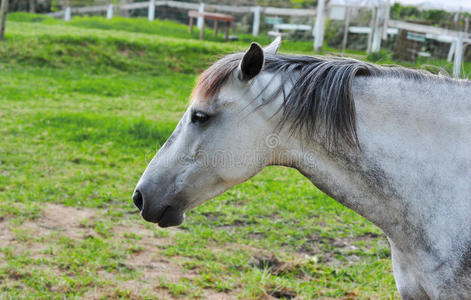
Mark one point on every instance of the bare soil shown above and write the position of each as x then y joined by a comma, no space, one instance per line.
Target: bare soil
72,223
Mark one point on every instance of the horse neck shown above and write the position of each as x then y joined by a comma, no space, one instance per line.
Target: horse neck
415,167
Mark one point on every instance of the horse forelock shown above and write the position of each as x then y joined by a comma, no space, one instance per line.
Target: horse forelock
212,79
320,94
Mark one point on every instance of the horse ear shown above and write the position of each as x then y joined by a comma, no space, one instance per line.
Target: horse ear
252,62
274,46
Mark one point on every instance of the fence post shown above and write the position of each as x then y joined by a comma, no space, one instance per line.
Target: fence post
370,33
458,56
451,52
67,14
199,22
347,26
109,11
319,27
256,20
32,6
151,13
466,26
387,7
378,28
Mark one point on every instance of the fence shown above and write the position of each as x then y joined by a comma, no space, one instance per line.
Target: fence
459,41
379,24
151,6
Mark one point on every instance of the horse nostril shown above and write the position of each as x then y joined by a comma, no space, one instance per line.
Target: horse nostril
138,200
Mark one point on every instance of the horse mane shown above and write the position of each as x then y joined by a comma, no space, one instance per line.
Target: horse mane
320,94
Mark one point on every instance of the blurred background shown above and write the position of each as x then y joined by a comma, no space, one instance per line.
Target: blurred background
412,31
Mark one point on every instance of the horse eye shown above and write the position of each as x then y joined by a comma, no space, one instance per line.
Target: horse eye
199,117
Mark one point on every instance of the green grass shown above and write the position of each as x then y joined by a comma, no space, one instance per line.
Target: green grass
83,108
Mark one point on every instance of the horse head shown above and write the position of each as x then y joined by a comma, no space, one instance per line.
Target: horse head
225,137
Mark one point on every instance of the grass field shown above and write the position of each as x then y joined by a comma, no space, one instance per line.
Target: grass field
83,108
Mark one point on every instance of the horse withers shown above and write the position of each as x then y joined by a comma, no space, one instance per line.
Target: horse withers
393,144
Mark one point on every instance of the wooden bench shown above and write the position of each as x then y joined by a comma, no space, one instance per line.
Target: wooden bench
228,19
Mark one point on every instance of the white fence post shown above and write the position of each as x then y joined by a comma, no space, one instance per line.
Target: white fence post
387,7
151,12
378,28
451,52
199,22
458,56
109,11
372,28
319,28
67,13
347,26
256,21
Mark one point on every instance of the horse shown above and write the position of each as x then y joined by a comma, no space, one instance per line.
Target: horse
391,143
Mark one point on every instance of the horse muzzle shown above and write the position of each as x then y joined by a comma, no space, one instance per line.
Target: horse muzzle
163,214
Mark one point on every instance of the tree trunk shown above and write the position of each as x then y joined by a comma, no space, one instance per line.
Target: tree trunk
32,6
3,17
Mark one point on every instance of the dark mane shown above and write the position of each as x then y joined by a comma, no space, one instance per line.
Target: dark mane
321,93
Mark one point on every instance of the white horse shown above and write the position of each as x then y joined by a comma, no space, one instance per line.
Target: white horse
392,144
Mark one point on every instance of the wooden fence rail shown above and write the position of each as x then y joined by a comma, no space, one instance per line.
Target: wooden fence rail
194,6
151,5
423,28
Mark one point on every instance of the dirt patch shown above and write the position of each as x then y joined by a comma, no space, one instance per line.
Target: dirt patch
211,295
283,293
147,258
315,247
5,234
79,223
65,219
275,266
368,235
32,237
